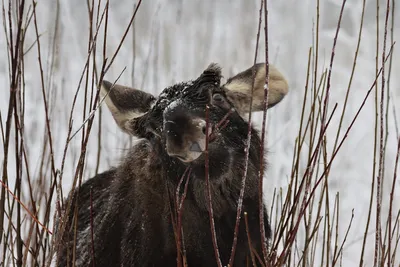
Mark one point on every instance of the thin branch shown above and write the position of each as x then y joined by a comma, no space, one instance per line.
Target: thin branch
208,189
247,149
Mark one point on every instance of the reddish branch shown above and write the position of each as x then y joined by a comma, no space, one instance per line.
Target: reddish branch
15,64
210,209
391,202
265,108
179,210
293,232
248,142
25,208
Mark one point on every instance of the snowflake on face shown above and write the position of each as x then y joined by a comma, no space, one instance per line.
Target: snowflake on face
171,94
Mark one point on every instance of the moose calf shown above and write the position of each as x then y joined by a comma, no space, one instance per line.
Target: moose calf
127,215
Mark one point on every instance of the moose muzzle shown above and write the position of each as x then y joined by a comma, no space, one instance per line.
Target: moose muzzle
185,135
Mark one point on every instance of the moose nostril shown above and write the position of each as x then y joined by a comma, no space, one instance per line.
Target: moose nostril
204,130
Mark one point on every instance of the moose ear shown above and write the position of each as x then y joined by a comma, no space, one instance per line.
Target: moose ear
126,104
238,88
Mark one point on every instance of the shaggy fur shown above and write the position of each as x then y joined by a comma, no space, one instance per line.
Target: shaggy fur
132,203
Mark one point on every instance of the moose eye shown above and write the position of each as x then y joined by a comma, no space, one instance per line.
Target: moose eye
218,98
151,131
220,101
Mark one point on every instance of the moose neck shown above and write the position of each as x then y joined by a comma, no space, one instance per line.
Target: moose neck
226,169
225,173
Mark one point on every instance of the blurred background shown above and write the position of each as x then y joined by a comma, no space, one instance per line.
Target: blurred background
174,41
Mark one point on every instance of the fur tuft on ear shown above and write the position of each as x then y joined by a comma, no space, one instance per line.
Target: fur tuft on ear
126,104
238,88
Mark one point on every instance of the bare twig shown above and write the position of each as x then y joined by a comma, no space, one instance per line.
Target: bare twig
208,190
247,149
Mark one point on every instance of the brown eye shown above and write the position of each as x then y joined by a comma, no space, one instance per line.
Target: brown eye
220,101
218,98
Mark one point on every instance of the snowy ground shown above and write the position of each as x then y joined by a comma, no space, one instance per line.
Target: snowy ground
176,40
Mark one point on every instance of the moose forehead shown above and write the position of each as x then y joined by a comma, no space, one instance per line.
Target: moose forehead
195,90
172,94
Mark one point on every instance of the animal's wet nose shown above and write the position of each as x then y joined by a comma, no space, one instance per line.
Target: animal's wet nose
185,135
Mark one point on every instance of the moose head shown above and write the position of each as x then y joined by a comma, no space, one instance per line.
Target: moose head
176,121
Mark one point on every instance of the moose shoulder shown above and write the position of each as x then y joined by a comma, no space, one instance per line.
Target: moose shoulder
126,216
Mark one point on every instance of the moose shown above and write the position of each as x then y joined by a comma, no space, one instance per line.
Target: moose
192,135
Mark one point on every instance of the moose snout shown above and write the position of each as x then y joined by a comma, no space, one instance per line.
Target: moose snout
185,136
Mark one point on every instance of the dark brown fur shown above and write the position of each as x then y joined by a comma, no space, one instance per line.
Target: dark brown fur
132,202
